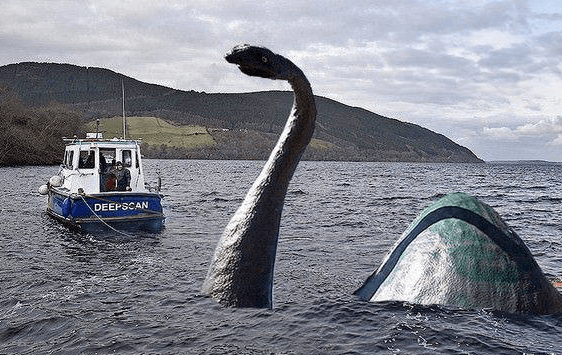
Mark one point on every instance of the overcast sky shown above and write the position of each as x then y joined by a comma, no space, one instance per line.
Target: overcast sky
487,74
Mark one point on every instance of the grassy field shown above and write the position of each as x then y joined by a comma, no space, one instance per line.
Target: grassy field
155,132
192,141
321,144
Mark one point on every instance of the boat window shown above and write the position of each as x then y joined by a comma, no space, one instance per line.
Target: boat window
127,161
86,159
107,158
69,159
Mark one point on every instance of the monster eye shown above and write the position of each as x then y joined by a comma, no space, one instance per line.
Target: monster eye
264,59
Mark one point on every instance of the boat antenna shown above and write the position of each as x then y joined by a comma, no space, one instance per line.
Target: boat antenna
124,119
97,128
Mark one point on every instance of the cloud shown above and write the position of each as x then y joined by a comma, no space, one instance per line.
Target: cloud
545,132
544,126
491,66
500,133
556,141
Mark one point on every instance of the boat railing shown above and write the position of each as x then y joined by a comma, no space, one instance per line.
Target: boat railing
99,140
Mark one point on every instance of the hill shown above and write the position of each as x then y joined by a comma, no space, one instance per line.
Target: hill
162,139
237,122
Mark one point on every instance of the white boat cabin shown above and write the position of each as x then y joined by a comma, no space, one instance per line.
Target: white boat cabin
92,165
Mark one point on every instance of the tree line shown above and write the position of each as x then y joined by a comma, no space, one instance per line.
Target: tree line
33,135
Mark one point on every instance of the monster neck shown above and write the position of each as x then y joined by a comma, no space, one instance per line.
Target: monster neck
241,273
293,141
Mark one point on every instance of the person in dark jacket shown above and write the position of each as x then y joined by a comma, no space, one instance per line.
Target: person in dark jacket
123,176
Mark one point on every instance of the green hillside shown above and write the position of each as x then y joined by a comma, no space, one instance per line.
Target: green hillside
167,139
155,132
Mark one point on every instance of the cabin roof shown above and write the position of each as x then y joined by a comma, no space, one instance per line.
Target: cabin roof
103,143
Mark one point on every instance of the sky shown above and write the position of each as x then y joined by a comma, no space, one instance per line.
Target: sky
486,74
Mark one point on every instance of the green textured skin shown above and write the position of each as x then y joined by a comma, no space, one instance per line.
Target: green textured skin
454,263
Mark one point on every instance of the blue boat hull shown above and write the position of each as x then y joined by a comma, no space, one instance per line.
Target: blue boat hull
119,210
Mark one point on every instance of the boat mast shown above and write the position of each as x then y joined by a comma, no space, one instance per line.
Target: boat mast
124,119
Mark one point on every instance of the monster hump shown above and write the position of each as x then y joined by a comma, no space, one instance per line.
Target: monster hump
460,252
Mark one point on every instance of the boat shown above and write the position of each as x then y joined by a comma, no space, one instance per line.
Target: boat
101,185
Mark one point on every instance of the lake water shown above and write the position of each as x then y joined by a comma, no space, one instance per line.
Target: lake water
63,292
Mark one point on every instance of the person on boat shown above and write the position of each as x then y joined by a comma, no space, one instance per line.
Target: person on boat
108,175
123,176
103,165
